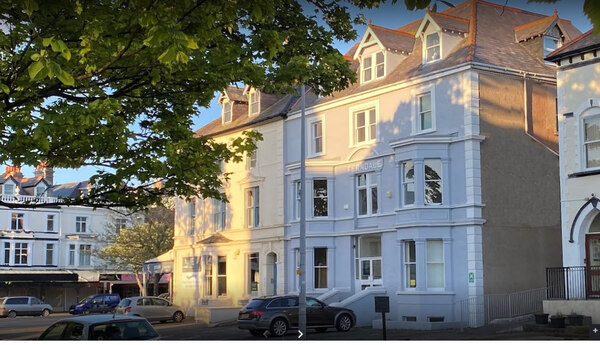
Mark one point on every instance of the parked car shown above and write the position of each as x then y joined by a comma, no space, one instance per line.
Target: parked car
278,314
23,305
151,308
99,303
100,327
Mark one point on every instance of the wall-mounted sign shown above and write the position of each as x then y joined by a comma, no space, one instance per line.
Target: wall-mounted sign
366,166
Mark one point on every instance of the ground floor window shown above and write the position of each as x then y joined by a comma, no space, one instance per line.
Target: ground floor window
222,276
320,262
430,272
253,273
208,275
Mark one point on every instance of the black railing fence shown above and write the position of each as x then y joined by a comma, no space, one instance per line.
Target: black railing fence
573,283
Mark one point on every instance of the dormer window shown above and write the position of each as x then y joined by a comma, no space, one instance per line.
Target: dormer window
254,103
40,190
432,47
373,66
227,111
9,189
551,44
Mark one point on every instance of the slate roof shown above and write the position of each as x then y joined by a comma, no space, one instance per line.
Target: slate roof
279,108
490,40
393,39
27,184
68,190
583,43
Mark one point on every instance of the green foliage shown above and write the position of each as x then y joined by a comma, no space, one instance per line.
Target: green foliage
115,84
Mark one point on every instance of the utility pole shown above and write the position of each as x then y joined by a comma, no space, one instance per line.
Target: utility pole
302,270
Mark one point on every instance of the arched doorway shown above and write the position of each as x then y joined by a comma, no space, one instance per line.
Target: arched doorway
271,283
592,254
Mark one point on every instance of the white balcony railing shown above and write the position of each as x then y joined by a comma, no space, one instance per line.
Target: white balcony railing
30,199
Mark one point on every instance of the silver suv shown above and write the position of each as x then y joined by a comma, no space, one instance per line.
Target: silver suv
23,305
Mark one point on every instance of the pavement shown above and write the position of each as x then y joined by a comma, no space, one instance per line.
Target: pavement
515,329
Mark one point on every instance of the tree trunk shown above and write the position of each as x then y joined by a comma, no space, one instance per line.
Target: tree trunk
157,277
139,283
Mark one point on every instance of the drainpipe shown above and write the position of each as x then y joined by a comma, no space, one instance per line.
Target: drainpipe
526,115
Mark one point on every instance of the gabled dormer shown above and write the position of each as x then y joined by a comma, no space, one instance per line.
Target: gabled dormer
440,33
9,186
380,51
230,100
254,102
543,36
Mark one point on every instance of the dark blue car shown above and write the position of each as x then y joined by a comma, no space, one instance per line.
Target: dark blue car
100,303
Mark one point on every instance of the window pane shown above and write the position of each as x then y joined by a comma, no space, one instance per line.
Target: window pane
374,200
366,269
362,202
592,153
592,128
435,264
376,269
433,181
433,39
435,252
370,246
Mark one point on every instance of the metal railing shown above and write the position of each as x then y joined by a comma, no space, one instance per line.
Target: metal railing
28,199
573,283
479,311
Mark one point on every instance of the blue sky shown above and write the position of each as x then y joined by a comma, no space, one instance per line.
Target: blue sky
389,15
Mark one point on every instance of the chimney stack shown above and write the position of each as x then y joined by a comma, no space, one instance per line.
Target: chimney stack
12,170
45,171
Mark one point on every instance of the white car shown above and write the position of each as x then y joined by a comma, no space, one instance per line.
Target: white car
151,308
100,327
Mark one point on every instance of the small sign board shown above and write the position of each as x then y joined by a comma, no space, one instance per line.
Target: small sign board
382,304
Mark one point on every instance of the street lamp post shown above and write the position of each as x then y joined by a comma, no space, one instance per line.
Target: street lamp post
302,269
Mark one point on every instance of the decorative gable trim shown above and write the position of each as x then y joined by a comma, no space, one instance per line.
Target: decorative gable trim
368,39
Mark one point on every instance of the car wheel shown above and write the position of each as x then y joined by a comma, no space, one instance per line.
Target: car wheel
279,327
45,312
178,316
12,314
257,333
321,329
344,323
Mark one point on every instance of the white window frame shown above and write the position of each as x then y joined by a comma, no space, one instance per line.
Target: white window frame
6,184
10,248
27,251
54,253
81,224
251,159
368,187
221,276
253,99
54,222
227,109
372,70
410,262
426,46
80,258
547,49
322,197
312,146
252,209
431,261
23,222
408,182
353,112
318,267
219,212
192,215
208,274
594,114
297,198
416,109
441,181
72,254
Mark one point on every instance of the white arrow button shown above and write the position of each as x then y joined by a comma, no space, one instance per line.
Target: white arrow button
300,334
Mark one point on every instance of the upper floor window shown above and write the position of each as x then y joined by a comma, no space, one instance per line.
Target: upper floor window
408,183
252,207
227,106
8,189
320,204
50,222
551,44
254,102
316,137
251,160
297,199
71,257
425,117
81,224
17,221
432,47
85,254
366,188
433,181
591,141
365,126
50,251
21,253
373,66
219,214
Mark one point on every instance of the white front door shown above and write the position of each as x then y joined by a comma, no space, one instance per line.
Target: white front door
368,261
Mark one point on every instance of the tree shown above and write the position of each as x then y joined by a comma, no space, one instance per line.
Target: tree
129,247
114,84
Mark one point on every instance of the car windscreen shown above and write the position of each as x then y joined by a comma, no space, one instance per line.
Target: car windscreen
85,300
119,330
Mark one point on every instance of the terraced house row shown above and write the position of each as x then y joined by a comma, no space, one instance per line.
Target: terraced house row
432,180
